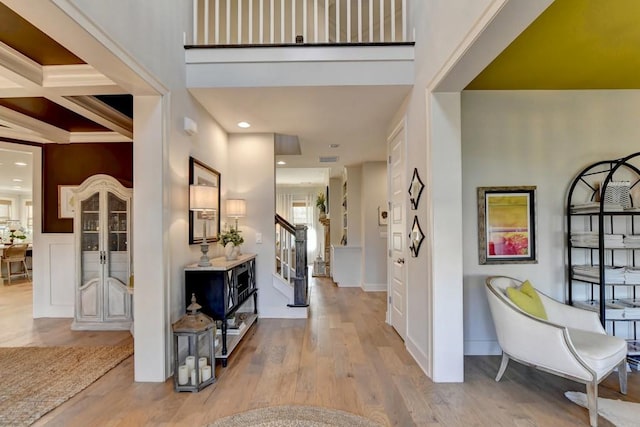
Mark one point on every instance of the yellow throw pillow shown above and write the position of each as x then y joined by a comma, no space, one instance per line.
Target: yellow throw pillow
527,299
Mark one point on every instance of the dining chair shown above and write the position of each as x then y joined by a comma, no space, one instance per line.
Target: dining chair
16,254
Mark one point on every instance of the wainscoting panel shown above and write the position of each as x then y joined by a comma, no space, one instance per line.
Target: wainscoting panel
54,271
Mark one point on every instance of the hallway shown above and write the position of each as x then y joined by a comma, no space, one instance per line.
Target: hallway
343,357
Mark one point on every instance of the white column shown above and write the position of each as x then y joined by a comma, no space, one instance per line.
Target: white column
149,255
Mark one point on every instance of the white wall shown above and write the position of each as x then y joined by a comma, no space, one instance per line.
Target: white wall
541,138
444,33
374,240
151,32
253,178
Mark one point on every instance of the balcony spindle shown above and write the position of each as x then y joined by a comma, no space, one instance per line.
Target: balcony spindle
393,21
381,17
326,21
337,21
217,22
240,21
206,22
315,21
195,22
261,27
370,21
282,25
271,22
228,21
405,37
293,21
360,21
250,21
348,21
304,21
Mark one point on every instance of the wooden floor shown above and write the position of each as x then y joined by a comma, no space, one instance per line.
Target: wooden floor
343,357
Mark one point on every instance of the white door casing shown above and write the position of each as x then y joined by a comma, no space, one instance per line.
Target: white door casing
396,271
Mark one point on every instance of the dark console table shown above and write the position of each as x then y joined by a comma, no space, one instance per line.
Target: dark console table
221,290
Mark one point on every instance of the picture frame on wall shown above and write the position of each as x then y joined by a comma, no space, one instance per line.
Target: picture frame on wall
383,216
507,225
202,174
66,205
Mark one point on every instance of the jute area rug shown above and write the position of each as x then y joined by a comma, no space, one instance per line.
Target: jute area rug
294,416
35,380
618,412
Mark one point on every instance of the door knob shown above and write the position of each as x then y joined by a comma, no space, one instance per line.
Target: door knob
400,260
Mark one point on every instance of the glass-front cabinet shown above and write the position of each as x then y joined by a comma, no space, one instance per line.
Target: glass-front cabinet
103,242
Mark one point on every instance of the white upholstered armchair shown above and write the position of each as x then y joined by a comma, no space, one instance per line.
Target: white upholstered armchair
571,343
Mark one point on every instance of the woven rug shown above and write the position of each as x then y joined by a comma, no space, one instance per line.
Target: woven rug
35,380
294,416
618,412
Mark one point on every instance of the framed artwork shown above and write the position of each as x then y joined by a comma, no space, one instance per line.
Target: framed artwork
507,225
66,204
415,237
201,174
383,216
415,189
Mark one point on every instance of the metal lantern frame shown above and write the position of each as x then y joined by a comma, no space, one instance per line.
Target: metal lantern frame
195,327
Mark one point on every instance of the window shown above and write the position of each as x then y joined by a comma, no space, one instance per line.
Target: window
301,213
5,212
28,209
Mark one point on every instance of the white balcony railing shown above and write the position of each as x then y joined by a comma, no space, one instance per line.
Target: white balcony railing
276,22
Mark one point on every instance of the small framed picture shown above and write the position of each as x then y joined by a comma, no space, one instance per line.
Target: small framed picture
383,216
66,202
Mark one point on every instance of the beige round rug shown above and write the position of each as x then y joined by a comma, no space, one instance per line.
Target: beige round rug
294,416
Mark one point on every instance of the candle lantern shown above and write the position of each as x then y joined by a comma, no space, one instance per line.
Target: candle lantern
193,349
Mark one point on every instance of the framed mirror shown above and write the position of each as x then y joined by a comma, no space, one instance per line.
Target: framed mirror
415,237
415,189
201,174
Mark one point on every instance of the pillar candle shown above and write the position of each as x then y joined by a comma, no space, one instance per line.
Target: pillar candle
190,361
206,372
202,361
193,377
183,375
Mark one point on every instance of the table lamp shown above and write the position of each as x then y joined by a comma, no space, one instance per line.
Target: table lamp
236,208
203,198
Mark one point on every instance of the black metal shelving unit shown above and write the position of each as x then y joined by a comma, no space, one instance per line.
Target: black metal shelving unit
602,208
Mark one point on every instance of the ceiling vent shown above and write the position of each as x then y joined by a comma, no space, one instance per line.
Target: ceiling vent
328,159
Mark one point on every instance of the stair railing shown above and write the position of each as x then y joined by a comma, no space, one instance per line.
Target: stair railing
291,259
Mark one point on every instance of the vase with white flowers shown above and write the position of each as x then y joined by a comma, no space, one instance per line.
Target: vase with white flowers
231,240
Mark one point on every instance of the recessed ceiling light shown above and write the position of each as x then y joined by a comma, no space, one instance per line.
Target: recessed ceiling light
334,145
17,180
243,125
281,162
20,164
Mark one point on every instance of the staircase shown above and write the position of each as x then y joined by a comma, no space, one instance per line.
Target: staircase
291,262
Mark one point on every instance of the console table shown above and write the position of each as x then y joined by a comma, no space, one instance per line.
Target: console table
221,290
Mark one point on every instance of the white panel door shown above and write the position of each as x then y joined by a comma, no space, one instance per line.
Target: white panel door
397,235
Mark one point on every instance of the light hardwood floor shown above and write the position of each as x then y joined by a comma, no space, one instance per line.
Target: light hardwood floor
343,357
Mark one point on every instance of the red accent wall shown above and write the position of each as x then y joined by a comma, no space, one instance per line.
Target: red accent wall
71,164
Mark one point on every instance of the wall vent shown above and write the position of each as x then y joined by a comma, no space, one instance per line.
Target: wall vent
328,159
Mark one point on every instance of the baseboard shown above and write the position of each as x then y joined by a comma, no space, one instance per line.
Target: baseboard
418,355
374,287
284,313
482,348
54,311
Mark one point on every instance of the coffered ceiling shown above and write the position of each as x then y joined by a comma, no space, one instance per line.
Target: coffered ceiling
48,94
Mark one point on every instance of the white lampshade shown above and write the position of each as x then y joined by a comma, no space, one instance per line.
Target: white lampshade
203,198
236,208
